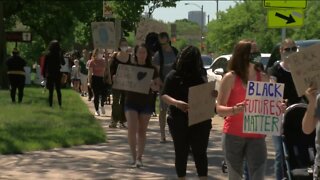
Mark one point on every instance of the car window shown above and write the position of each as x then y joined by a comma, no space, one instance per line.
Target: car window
207,61
220,63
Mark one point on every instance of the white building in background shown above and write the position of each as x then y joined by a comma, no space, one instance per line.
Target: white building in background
195,16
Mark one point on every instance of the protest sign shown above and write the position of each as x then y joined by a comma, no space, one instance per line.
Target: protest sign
133,78
103,34
146,26
305,68
201,103
263,113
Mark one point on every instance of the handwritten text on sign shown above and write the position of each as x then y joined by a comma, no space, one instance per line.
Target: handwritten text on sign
263,108
133,78
305,68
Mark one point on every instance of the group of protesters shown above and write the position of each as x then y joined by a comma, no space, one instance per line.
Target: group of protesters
174,73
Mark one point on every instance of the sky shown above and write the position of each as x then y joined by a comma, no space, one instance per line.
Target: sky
181,10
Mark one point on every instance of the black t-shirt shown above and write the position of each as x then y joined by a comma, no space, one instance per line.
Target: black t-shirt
177,87
285,77
16,63
115,63
138,99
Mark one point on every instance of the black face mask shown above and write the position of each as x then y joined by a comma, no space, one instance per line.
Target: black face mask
255,57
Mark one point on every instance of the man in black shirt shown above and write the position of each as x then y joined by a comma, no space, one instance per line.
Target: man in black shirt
280,73
16,75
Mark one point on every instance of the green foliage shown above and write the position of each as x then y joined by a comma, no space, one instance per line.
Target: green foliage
33,125
247,20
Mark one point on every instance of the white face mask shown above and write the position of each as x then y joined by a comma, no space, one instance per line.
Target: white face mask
124,48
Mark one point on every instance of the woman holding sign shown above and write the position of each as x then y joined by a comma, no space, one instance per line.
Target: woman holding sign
188,72
311,121
139,107
239,146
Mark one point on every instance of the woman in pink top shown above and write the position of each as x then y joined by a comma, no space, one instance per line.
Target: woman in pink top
239,146
95,79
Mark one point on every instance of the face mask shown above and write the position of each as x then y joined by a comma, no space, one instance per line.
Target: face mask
100,56
255,57
124,48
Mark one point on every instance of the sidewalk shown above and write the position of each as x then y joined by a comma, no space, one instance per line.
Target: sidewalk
110,160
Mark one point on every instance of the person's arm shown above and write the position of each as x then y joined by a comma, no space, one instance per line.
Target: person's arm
309,120
223,97
183,106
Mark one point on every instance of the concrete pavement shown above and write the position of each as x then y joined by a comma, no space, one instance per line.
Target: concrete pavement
110,160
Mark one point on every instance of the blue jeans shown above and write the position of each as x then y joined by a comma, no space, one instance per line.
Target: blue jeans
253,150
279,159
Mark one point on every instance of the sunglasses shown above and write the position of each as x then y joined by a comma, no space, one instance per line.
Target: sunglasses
292,49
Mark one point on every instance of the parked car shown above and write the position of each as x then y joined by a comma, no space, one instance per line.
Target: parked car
207,61
220,66
275,54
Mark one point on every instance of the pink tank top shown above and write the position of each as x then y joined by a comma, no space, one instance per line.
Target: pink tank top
233,124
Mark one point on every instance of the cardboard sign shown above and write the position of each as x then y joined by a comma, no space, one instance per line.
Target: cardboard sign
146,26
103,34
201,103
305,68
133,78
263,113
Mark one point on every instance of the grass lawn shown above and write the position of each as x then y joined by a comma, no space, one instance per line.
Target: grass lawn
33,125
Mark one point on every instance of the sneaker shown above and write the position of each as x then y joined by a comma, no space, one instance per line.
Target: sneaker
154,114
113,125
97,113
122,125
139,164
132,164
103,111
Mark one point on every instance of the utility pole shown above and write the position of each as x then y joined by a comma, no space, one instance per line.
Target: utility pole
3,75
217,11
202,23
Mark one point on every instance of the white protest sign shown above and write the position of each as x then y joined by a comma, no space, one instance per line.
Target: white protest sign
201,103
263,113
103,34
133,78
305,68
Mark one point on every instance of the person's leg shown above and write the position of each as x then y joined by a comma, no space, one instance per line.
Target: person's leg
50,85
115,113
58,89
133,118
179,133
199,138
122,119
256,156
96,92
142,130
234,154
279,157
21,88
162,120
13,87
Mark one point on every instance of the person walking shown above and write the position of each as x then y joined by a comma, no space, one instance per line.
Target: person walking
120,57
16,75
95,80
75,75
310,122
280,73
239,146
52,64
138,108
188,72
164,60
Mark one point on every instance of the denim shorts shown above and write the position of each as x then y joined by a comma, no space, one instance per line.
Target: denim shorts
140,109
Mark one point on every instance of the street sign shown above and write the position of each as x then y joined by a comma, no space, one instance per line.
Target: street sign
285,4
18,36
107,10
283,18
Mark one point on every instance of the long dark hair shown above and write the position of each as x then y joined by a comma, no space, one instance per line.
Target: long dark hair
239,62
189,63
54,47
148,60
